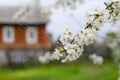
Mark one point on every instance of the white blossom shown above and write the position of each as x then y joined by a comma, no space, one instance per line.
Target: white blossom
67,35
69,57
63,40
57,54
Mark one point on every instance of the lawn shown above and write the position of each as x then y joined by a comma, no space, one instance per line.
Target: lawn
69,71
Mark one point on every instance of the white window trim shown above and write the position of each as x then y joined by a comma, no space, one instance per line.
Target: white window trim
28,35
11,39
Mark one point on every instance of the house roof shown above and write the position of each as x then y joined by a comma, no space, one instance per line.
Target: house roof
33,17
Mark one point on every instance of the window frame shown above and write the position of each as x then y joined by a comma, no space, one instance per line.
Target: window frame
29,30
5,31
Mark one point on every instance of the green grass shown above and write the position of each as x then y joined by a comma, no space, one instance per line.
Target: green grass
70,71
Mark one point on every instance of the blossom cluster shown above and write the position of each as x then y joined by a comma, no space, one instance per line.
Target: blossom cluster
96,18
96,59
47,57
70,46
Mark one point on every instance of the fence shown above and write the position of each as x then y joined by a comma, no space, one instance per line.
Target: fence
20,55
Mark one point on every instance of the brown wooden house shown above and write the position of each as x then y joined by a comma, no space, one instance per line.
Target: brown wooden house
21,39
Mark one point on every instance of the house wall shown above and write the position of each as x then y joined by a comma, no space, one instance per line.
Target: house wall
20,51
20,38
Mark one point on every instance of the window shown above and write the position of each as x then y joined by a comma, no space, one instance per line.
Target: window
31,35
8,34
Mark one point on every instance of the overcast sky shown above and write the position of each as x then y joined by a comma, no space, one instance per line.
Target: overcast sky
61,17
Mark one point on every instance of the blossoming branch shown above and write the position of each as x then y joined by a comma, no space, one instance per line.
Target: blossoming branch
70,47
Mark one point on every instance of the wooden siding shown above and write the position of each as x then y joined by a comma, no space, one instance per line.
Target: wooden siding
42,37
20,35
